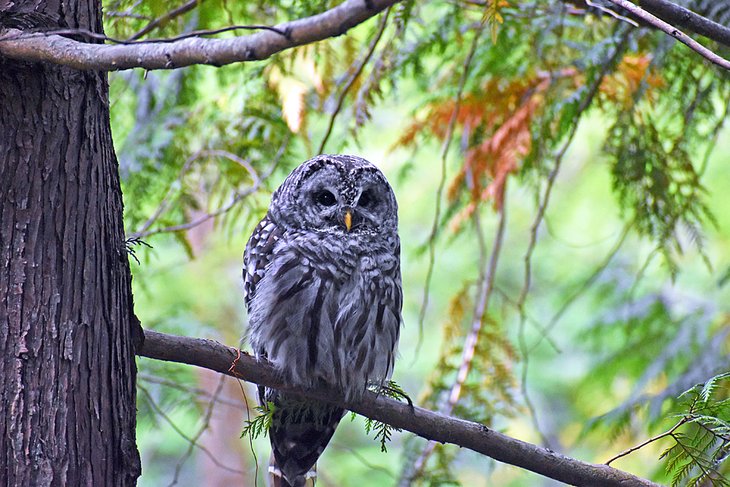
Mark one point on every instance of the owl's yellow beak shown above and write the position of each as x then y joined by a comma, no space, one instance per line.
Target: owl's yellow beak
348,219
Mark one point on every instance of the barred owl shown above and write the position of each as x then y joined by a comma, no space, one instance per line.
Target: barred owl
323,291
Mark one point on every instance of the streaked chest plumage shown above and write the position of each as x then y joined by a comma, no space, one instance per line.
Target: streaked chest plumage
326,310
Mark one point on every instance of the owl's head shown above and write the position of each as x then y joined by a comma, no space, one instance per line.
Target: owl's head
337,194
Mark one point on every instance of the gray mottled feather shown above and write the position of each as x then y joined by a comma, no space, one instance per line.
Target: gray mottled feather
324,303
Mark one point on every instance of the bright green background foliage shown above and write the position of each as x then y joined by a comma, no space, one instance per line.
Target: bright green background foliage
562,179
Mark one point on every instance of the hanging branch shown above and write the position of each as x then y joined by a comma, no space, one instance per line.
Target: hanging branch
165,18
16,44
355,75
486,287
542,207
427,424
463,77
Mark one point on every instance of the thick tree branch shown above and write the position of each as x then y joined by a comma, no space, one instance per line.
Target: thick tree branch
427,424
682,17
15,44
672,31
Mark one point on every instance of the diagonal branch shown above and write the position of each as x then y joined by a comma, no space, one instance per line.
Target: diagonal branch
15,44
678,15
650,440
674,32
427,424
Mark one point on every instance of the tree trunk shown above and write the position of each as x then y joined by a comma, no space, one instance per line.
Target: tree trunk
67,329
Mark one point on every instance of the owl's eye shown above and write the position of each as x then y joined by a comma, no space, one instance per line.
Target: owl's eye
325,198
366,199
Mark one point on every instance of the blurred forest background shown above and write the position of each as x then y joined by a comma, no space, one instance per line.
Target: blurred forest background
561,176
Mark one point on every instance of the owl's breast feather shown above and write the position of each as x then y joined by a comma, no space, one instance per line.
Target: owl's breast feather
332,254
333,311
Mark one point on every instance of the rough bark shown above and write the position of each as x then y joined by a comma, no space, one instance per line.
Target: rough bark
67,370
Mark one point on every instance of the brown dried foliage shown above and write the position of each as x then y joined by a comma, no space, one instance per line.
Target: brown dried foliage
620,87
496,123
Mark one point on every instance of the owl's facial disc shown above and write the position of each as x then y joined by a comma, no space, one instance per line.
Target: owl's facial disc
336,210
336,196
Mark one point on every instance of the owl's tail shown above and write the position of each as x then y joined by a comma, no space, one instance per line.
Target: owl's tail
276,478
299,433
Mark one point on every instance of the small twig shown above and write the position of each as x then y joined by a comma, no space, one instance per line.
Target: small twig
472,338
674,32
158,410
233,373
220,211
584,286
210,32
163,206
712,139
531,319
111,11
356,454
355,75
201,430
192,224
130,42
238,160
479,314
166,199
419,464
163,19
611,13
669,432
527,282
641,273
190,390
127,15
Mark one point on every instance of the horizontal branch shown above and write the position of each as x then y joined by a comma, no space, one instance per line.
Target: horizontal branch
682,17
427,424
55,49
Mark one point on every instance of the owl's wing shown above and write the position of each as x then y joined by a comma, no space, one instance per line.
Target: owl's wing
257,256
